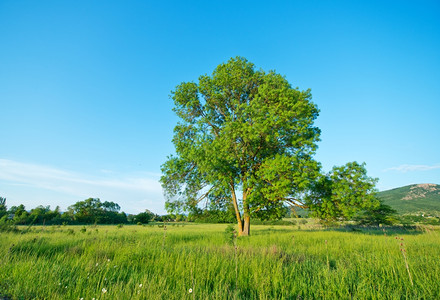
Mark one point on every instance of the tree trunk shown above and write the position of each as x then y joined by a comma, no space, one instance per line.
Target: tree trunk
247,217
237,211
246,226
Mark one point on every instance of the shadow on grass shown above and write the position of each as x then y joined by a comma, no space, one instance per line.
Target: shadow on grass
372,230
376,230
270,230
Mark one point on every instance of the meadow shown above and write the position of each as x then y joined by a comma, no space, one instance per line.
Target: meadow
200,261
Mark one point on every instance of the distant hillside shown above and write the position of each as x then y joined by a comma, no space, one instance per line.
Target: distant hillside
414,199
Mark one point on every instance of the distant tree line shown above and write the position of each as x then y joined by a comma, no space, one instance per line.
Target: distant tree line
89,211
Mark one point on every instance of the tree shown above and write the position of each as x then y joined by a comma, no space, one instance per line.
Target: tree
92,210
145,217
111,206
20,214
241,131
343,192
382,214
86,211
40,214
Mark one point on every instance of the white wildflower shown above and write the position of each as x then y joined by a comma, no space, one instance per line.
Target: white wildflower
140,285
104,290
190,291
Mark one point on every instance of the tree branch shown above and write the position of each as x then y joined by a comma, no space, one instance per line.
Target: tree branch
295,202
205,195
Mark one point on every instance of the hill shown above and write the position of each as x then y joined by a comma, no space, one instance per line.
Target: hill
414,199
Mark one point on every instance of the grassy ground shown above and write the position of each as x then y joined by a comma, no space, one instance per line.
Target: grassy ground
198,262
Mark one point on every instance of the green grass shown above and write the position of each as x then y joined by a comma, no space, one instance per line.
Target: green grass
276,262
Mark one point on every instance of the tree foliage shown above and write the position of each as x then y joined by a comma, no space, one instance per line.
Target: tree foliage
381,214
343,192
92,210
41,214
241,131
145,217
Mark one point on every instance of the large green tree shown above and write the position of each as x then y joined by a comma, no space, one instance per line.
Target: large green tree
245,136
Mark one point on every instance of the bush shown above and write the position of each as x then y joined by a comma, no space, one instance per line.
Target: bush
230,234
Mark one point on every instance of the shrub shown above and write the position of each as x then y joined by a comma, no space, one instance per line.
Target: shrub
230,234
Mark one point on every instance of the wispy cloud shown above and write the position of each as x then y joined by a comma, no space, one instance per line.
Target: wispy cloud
133,191
413,168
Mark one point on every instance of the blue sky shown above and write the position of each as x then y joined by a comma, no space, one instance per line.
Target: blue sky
85,85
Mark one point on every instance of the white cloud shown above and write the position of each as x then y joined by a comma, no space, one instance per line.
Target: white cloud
134,192
413,168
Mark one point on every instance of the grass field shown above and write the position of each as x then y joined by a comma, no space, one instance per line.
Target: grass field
198,262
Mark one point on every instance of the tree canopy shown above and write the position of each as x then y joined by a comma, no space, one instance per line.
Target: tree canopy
92,210
341,193
242,132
